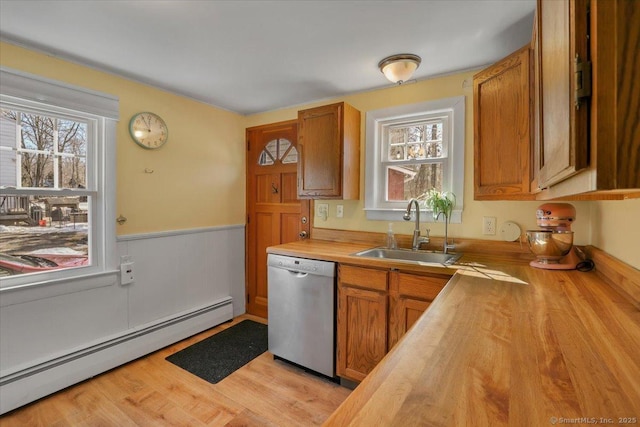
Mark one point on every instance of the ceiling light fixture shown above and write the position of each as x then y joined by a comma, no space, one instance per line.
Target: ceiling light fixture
399,68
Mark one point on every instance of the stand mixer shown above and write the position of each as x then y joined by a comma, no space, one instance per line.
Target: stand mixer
553,243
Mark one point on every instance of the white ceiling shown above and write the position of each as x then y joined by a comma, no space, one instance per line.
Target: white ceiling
255,56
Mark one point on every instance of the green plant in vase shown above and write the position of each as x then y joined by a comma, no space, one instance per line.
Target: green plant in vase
441,203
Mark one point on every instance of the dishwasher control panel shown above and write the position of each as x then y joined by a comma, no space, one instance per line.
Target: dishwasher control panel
323,268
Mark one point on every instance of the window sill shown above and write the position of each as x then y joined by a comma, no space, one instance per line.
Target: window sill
22,293
396,215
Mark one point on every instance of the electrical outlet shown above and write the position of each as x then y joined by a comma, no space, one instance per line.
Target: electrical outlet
126,273
322,210
489,225
339,211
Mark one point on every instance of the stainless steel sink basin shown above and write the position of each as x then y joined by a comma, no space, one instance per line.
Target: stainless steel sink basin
410,256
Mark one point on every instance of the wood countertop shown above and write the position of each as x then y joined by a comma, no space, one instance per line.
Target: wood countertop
503,344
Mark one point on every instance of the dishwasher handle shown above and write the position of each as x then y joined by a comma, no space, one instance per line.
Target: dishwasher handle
298,274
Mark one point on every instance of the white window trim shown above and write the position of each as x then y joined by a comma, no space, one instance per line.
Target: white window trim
33,91
374,175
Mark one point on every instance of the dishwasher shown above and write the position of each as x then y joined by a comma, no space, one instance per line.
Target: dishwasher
301,316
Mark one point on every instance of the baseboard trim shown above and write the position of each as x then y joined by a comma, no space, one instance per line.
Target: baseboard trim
33,382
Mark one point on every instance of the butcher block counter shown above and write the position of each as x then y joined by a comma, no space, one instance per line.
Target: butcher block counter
505,344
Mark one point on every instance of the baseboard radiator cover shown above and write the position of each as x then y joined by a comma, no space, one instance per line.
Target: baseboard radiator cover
32,383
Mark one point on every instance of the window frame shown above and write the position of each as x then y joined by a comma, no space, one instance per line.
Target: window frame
375,204
36,94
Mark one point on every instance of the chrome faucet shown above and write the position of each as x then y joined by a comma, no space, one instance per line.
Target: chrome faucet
417,240
447,246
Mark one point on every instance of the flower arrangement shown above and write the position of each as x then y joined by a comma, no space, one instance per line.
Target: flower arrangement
440,203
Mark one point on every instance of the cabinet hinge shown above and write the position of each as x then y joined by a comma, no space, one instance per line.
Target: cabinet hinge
583,80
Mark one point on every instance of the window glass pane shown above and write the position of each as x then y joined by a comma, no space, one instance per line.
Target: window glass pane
415,133
278,149
416,151
397,135
265,159
434,132
36,132
72,137
72,172
411,181
291,156
37,170
415,142
283,146
45,233
272,148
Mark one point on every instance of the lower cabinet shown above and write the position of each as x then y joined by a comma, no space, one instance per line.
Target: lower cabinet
375,308
362,320
409,296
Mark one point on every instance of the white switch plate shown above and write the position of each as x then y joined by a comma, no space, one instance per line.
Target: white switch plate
126,273
489,225
322,210
339,211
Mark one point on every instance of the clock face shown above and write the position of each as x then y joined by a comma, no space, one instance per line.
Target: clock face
148,130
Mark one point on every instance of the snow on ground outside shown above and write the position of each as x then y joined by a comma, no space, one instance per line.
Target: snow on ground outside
23,233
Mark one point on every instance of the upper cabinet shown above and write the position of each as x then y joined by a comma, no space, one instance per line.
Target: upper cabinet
589,100
502,133
329,146
585,105
563,71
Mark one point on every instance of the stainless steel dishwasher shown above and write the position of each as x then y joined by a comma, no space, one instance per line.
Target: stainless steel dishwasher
302,300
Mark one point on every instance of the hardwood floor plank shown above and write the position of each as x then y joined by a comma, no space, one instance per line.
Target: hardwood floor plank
153,391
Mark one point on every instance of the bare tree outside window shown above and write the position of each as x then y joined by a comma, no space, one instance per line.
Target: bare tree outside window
49,229
412,160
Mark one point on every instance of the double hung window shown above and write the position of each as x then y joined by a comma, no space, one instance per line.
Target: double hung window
56,180
412,149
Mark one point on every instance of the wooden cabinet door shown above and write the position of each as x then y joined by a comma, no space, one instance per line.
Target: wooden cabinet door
329,143
502,129
362,321
409,297
562,32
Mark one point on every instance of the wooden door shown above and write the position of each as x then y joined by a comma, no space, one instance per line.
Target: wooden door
274,213
562,33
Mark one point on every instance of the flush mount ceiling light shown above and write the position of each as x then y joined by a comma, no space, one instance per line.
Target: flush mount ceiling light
399,68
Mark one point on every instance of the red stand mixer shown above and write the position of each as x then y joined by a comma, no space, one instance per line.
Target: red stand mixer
553,243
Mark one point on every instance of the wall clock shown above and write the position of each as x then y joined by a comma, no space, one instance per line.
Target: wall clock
148,130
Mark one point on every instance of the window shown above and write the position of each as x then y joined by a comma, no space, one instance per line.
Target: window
278,149
410,150
57,169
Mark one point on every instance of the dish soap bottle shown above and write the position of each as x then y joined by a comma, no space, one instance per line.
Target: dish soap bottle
391,239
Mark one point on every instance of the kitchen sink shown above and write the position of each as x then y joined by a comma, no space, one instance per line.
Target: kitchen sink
410,256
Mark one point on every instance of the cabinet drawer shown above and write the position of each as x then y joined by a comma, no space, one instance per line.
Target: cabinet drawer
422,287
366,278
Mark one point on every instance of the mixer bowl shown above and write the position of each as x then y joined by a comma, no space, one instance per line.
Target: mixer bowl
549,246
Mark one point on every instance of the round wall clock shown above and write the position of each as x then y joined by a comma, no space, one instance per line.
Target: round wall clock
148,130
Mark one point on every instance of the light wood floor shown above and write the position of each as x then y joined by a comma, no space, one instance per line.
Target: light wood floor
153,392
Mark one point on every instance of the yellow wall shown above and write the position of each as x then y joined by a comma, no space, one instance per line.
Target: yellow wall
522,213
616,229
597,223
199,175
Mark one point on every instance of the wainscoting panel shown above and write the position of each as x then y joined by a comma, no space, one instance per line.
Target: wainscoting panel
185,282
174,272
